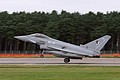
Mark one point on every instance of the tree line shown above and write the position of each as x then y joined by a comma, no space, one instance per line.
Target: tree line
75,28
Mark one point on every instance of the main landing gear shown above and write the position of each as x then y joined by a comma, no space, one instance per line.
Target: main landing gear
67,60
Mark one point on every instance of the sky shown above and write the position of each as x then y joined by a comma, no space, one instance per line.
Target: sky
81,6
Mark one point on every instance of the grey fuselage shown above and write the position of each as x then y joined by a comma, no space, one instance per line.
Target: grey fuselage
63,49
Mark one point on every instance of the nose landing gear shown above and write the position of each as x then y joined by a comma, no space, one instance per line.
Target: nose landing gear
41,55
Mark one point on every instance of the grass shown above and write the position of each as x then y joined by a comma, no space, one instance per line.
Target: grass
69,72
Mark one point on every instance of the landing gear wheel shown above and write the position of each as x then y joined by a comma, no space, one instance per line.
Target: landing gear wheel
67,60
41,56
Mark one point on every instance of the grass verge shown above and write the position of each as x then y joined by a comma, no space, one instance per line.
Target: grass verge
67,72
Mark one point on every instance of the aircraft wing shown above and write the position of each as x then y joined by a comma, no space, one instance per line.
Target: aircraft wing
68,51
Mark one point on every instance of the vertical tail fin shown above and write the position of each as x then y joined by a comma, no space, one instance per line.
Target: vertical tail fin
98,44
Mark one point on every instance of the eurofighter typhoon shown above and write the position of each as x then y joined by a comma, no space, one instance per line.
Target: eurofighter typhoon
66,50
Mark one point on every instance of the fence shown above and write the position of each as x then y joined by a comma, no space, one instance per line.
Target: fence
38,52
20,52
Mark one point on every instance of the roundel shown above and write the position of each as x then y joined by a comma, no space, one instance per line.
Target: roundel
97,42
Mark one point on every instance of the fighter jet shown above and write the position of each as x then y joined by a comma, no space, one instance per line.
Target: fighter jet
66,50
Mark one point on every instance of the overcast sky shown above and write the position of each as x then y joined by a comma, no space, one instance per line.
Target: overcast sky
82,6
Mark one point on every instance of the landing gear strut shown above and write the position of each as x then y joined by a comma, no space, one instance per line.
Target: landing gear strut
41,55
67,60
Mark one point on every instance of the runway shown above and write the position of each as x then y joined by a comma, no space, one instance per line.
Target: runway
60,61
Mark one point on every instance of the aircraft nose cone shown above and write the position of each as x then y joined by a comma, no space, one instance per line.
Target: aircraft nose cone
23,38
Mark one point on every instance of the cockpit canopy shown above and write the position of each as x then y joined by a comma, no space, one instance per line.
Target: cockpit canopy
39,35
